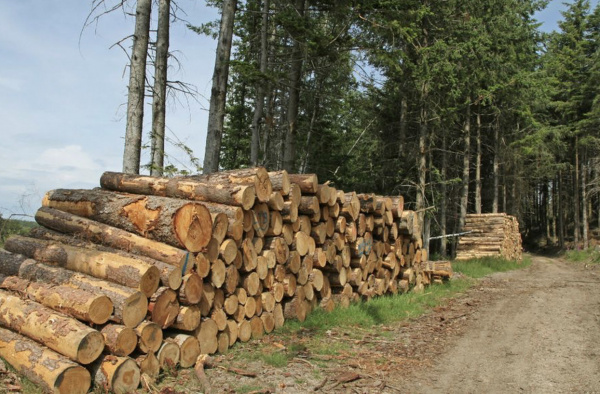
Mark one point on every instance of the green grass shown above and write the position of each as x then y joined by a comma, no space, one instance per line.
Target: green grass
478,268
579,256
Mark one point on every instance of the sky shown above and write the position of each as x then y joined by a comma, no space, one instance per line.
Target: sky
63,88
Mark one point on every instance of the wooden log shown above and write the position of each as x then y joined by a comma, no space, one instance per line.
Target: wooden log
222,342
289,212
113,237
188,318
251,283
163,307
189,347
207,336
218,272
295,309
257,176
220,226
119,340
278,315
351,206
257,327
232,331
176,222
168,354
80,304
148,365
60,333
190,292
51,371
323,194
280,181
261,219
170,275
150,337
309,205
116,374
130,306
242,195
244,331
275,202
308,183
268,321
275,224
104,265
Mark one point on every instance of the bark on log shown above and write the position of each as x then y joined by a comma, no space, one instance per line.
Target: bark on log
257,176
170,275
80,304
308,183
53,372
176,222
130,306
113,237
103,265
181,187
62,334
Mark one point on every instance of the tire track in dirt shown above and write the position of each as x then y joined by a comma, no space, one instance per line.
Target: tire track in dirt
542,335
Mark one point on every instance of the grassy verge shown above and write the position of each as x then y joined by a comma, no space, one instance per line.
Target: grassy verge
590,255
478,268
362,319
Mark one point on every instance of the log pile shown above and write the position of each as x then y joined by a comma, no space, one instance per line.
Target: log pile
490,234
148,272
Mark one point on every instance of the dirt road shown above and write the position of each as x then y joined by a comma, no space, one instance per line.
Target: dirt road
539,332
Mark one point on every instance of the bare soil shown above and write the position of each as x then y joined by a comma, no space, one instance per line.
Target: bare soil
535,330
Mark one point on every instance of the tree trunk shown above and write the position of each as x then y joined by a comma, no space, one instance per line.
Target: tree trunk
137,84
561,212
478,167
443,198
464,197
216,111
159,96
260,89
422,164
62,334
44,367
577,194
176,222
496,165
294,76
584,206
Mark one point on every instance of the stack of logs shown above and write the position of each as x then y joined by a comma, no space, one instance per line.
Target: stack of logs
146,273
490,234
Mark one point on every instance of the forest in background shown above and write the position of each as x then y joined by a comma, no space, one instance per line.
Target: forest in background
461,107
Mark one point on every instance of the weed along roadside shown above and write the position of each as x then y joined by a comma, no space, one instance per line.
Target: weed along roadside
330,347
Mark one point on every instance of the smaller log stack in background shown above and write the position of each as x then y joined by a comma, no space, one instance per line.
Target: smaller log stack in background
491,234
194,264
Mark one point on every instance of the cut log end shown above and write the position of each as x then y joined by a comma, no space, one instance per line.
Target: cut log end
193,226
